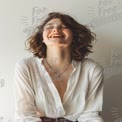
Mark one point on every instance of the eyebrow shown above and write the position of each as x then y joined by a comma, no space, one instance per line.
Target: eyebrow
50,24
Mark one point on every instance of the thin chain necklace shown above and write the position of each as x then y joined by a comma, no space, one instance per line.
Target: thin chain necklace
58,75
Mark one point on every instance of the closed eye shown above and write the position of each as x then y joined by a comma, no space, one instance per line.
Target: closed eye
64,27
59,27
49,27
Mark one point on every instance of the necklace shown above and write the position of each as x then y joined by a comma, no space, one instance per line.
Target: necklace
57,75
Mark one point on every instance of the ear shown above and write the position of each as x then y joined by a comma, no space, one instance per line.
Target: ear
42,41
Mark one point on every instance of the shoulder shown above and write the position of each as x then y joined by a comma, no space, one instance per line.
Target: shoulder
92,68
28,61
91,64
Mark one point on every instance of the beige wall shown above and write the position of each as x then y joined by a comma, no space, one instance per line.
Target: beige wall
19,17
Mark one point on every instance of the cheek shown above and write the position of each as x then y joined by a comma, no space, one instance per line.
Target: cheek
43,35
46,34
70,34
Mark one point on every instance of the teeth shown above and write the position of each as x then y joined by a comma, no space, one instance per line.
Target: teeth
56,36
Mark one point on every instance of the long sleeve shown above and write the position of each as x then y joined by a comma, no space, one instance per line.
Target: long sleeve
25,109
94,98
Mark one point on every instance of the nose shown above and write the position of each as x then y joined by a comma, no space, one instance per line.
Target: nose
56,29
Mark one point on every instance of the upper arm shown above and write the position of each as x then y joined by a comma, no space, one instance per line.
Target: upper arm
24,93
94,97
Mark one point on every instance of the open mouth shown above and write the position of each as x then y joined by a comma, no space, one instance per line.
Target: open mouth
56,36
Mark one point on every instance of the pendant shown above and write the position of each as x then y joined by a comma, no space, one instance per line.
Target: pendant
58,77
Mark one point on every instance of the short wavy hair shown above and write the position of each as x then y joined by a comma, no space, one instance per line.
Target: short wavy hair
82,37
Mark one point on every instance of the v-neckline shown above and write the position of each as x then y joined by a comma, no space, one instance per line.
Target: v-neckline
52,86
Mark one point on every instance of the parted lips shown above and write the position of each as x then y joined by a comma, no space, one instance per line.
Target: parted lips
56,36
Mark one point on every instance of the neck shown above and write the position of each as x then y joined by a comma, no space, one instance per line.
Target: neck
58,57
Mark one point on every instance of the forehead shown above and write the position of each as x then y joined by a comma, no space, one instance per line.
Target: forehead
54,21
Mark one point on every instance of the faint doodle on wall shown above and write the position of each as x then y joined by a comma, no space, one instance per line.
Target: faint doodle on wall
112,71
117,114
105,12
2,80
31,22
1,118
115,65
116,57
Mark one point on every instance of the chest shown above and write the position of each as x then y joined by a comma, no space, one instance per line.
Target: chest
61,82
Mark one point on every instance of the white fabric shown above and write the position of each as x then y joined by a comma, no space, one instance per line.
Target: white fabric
35,91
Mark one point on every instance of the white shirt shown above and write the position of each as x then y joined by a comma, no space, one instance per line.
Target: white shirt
35,91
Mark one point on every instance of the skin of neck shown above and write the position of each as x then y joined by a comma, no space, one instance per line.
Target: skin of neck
58,57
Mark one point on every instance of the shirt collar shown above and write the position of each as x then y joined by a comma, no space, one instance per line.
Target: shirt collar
74,62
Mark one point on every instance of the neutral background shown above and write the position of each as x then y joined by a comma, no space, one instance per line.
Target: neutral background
18,18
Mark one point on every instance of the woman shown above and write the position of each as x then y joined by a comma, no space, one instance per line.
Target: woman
59,83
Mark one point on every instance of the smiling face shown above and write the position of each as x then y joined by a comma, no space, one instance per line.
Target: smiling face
56,33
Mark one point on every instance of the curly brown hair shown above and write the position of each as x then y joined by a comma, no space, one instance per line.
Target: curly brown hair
82,37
